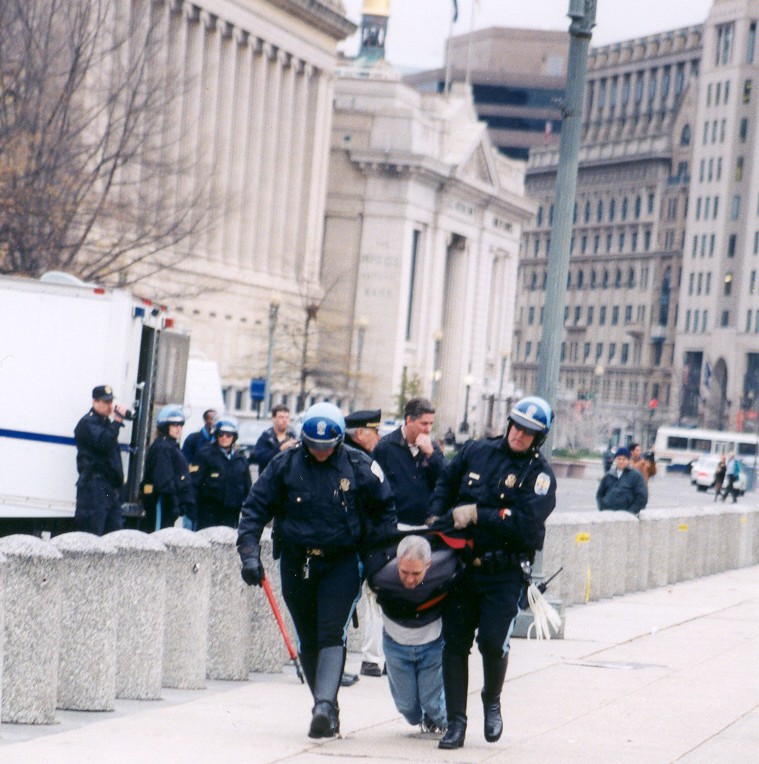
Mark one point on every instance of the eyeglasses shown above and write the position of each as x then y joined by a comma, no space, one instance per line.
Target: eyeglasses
519,428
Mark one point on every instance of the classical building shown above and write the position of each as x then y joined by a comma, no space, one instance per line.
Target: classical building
517,78
717,346
618,374
256,85
420,254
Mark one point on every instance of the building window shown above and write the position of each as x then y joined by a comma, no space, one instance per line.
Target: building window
605,279
624,208
731,244
580,278
600,211
608,242
621,242
634,241
587,212
631,278
735,210
743,130
583,245
577,314
590,315
739,168
651,199
638,205
527,349
647,240
628,314
751,42
698,208
415,240
652,84
728,287
602,316
540,216
716,207
585,351
612,350
599,350
719,167
725,318
596,243
531,315
727,91
679,79
614,315
638,87
747,91
612,209
724,48
624,351
686,328
593,279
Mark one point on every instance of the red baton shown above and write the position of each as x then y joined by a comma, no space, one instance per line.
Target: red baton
280,622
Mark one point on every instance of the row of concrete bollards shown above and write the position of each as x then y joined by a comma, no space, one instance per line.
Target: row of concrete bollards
88,619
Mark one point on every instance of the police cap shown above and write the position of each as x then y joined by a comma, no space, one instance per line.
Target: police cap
102,393
367,418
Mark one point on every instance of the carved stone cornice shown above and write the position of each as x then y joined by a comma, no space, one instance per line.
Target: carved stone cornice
325,15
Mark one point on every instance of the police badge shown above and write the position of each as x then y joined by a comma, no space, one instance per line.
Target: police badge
510,481
345,485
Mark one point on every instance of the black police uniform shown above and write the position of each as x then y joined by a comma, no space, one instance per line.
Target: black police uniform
268,446
167,479
412,477
101,474
221,480
489,474
324,513
194,442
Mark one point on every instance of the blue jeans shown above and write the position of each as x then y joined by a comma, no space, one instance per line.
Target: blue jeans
415,673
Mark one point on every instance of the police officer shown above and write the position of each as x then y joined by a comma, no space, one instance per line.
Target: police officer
220,477
500,490
326,501
98,461
167,489
362,432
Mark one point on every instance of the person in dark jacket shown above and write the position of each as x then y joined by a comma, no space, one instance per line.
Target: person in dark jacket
221,477
412,461
327,502
500,491
196,440
167,489
622,487
279,437
411,589
98,461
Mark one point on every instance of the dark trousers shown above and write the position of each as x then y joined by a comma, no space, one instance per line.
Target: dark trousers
211,515
98,506
486,603
322,604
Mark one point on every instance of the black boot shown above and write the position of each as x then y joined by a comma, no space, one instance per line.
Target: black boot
325,721
456,681
308,664
494,673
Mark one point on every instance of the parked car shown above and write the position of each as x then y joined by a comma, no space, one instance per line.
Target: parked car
703,471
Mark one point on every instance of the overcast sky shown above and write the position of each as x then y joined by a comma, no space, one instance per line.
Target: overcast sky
418,28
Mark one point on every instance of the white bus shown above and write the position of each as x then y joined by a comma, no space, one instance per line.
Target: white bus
681,445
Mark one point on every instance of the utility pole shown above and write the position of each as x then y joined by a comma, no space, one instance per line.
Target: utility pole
583,15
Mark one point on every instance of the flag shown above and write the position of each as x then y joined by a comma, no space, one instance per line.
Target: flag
455,11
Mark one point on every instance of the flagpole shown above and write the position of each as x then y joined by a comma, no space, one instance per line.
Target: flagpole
447,86
469,45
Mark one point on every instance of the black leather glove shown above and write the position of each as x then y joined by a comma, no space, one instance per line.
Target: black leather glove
252,570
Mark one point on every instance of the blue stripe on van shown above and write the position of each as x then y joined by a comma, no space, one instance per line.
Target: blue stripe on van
42,437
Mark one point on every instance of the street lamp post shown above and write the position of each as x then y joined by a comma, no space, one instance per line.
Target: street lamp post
362,325
436,372
274,300
464,426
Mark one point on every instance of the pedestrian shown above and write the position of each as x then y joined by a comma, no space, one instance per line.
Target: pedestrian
639,462
719,476
412,462
500,490
98,461
166,488
411,589
622,487
196,440
608,458
328,501
279,437
732,475
221,477
362,432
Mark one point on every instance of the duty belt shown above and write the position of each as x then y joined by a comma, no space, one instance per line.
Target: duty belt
498,560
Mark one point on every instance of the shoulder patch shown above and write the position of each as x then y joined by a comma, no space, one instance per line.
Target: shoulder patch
542,484
194,468
377,470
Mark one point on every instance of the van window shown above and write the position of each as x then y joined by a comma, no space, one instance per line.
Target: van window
701,444
673,441
747,449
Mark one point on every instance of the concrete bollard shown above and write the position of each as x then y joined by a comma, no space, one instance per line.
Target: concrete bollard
3,562
87,656
655,542
228,622
266,647
140,608
32,630
188,587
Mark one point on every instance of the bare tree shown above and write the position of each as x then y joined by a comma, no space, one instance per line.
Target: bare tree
90,182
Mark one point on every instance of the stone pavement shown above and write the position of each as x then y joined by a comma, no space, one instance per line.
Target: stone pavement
666,675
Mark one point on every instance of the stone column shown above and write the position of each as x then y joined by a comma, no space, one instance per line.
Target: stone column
140,607
87,658
228,617
32,630
188,584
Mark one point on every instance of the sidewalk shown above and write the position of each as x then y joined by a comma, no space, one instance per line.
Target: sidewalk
661,676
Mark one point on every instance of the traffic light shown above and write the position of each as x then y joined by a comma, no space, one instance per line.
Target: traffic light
652,404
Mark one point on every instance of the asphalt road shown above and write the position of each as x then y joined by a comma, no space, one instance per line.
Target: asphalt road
665,491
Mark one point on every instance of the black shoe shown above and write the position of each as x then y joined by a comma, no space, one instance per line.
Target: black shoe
324,720
348,680
493,721
370,669
454,735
